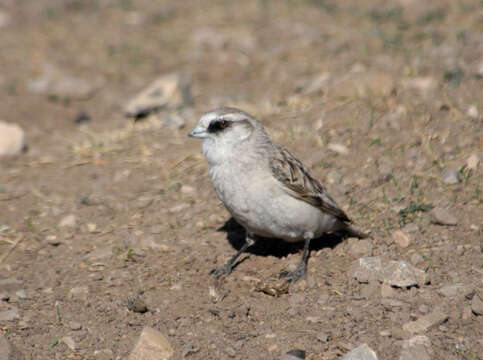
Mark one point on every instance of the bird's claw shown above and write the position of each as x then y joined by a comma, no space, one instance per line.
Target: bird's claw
222,270
293,276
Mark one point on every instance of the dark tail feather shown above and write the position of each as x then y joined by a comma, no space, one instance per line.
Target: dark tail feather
353,232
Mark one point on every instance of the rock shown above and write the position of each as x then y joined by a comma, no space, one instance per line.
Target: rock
136,304
472,112
442,216
401,238
403,275
67,340
80,292
417,259
56,83
173,120
362,352
295,354
472,162
361,248
151,345
416,348
21,294
452,290
68,221
451,176
387,291
366,269
424,85
4,18
338,148
323,337
9,315
410,228
99,254
75,326
12,139
8,351
10,284
426,322
477,305
170,91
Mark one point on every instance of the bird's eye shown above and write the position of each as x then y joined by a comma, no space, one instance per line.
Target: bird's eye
224,123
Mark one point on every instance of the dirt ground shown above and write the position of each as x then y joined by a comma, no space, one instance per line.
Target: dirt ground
380,98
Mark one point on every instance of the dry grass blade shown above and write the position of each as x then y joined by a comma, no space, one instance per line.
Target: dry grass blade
11,248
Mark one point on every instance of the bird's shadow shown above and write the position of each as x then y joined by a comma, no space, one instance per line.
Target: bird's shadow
235,234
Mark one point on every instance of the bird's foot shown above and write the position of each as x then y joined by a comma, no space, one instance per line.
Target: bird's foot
293,276
222,270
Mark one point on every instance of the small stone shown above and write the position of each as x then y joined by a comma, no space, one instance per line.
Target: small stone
424,323
416,348
53,240
423,309
466,315
188,190
477,305
472,162
385,333
4,19
451,290
410,228
173,120
99,254
230,351
362,352
366,269
67,340
425,85
323,337
68,221
417,259
12,139
151,345
75,326
21,294
9,315
295,354
401,238
80,292
442,216
136,304
451,176
403,275
171,91
472,112
338,148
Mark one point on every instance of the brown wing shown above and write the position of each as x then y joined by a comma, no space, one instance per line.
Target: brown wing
300,184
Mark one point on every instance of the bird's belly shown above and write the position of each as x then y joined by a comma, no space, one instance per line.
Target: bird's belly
267,210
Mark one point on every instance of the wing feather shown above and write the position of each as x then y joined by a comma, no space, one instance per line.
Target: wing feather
300,184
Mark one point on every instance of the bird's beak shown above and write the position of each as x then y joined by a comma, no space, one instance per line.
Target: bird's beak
198,132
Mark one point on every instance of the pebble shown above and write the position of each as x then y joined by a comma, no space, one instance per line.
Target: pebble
136,304
417,259
403,275
295,354
425,85
151,345
477,305
75,326
451,290
21,294
472,162
385,333
80,292
451,176
472,112
362,352
424,323
67,340
323,337
361,248
9,315
12,139
416,348
442,216
366,269
401,238
338,148
171,91
173,120
68,221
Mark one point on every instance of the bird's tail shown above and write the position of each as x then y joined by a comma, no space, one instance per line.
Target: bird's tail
353,232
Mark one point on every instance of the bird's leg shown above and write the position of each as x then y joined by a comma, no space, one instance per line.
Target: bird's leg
301,271
228,267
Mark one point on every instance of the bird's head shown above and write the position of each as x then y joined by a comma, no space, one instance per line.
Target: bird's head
225,125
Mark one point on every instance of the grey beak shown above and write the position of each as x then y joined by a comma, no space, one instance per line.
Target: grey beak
198,132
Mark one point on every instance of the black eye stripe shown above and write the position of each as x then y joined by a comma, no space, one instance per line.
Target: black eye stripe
218,125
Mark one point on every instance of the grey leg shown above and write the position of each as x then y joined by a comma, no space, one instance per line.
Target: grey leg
301,271
228,267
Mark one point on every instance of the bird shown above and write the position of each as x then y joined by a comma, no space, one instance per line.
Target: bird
264,187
